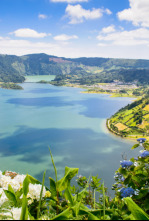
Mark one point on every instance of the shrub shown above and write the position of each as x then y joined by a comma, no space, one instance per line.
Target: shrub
23,197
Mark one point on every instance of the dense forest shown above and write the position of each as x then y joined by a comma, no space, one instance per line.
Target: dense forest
80,70
131,75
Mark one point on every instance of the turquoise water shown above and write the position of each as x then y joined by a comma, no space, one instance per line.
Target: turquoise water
38,78
70,122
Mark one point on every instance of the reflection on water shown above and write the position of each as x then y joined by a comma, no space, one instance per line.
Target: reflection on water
70,122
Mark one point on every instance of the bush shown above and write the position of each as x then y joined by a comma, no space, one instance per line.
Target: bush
23,197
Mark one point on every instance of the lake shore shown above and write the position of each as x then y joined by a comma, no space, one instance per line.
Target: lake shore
107,125
94,91
129,137
112,95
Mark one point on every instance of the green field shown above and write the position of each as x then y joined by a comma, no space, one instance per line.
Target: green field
131,121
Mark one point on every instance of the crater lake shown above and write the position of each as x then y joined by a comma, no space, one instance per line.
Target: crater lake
71,123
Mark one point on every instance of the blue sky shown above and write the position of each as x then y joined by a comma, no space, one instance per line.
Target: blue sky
75,28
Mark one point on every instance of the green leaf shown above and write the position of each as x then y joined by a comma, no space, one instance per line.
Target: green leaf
11,196
18,194
123,172
135,210
68,196
53,187
33,180
76,208
53,165
38,211
104,200
65,181
10,189
90,215
63,216
26,185
24,211
135,146
82,194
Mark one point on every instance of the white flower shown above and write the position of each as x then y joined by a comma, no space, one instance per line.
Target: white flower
35,190
15,183
5,181
136,164
1,191
141,151
16,213
44,217
20,179
137,192
6,215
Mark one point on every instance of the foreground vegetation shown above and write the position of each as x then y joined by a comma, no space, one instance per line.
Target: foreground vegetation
131,121
23,197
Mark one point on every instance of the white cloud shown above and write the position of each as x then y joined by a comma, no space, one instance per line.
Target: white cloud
28,33
102,45
64,37
134,37
138,13
77,14
42,16
69,1
108,29
21,47
108,11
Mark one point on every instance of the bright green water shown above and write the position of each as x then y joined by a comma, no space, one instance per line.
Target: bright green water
70,122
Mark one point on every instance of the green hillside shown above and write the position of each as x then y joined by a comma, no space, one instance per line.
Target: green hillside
113,63
8,72
80,70
131,121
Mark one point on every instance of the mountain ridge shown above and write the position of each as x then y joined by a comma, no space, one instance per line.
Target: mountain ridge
13,68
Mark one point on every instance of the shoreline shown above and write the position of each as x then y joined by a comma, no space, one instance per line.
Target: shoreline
134,137
112,95
107,125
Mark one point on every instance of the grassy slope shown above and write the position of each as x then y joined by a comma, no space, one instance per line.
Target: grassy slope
133,120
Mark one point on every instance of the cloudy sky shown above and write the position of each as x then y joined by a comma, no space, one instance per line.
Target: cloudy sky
75,28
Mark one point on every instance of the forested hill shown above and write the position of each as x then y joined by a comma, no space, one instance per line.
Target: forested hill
14,68
113,63
8,72
133,120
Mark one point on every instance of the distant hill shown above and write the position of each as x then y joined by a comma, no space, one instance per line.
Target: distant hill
14,68
8,72
133,120
113,63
